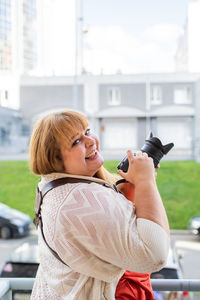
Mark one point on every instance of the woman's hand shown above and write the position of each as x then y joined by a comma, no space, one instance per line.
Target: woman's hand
148,203
141,168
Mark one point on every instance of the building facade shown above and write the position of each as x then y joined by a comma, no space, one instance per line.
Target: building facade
5,35
18,55
123,109
13,132
18,41
188,47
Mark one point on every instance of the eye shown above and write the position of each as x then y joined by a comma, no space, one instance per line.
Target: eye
76,142
87,131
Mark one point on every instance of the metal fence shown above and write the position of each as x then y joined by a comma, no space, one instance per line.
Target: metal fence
7,285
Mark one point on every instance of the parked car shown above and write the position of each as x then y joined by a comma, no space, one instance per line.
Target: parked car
23,262
172,270
13,223
194,225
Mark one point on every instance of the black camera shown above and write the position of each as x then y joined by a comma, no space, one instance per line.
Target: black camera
153,147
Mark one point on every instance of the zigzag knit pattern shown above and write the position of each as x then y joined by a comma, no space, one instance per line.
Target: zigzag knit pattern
95,231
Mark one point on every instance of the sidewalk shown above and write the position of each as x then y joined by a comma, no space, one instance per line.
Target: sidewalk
14,156
180,232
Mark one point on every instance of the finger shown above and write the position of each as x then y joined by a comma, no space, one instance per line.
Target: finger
144,154
139,153
130,155
121,173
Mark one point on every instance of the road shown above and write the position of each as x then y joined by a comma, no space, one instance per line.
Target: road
185,244
188,246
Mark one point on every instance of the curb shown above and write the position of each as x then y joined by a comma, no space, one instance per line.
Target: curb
181,232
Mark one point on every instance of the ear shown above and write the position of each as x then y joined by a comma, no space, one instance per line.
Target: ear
58,162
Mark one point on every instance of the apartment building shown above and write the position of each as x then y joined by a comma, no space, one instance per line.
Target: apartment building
13,133
123,109
188,46
18,55
18,43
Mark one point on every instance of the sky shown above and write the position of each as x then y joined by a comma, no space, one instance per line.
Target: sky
127,36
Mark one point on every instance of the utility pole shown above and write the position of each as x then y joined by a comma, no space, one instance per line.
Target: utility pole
78,48
148,106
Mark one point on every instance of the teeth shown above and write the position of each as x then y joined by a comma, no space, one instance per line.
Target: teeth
92,154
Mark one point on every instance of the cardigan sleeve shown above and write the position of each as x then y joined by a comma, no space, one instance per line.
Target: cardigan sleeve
97,229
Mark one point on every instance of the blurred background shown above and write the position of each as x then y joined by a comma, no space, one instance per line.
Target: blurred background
131,66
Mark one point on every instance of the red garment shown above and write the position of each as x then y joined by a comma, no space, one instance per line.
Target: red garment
134,286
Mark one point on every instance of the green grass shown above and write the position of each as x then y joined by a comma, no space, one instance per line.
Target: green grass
178,183
179,186
17,186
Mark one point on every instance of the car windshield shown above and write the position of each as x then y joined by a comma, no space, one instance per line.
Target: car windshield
4,210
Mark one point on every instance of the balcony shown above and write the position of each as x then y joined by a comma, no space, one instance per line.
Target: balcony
7,285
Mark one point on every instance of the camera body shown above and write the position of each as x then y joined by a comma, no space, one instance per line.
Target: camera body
153,147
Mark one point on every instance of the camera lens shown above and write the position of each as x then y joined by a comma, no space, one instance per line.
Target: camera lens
153,147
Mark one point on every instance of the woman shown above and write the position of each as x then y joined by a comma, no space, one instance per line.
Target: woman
94,230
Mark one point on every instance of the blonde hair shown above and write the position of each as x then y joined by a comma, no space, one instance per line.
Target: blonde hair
49,133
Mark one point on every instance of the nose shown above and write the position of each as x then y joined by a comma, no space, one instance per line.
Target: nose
89,141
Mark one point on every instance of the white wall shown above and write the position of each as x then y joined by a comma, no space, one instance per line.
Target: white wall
194,37
11,84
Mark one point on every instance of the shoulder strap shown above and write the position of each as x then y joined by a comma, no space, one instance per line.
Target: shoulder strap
60,181
39,199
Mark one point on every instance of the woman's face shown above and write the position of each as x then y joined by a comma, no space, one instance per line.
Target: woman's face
83,157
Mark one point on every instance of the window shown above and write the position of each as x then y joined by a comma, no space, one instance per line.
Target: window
25,130
120,134
183,95
114,96
177,130
3,98
156,95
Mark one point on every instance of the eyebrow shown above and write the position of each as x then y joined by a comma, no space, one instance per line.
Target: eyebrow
79,133
76,135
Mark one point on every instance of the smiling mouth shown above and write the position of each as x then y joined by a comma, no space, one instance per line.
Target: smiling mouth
91,155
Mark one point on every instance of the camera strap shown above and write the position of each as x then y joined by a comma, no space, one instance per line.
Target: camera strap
40,194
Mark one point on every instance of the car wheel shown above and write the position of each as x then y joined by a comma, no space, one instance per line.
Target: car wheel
5,232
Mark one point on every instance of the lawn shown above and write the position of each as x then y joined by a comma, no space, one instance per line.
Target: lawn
178,183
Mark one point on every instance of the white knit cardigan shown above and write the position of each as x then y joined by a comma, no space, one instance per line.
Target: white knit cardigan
95,231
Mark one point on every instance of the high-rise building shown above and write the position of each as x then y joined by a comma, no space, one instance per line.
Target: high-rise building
5,35
18,47
187,56
29,35
18,29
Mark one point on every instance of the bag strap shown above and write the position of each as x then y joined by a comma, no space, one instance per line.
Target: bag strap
47,188
60,181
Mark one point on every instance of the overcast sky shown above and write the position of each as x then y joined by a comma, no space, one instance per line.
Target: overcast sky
131,36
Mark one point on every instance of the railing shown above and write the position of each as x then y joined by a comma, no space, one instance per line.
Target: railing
7,285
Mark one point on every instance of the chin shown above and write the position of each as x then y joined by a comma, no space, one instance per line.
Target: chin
97,169
101,163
